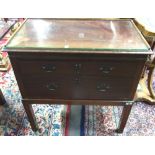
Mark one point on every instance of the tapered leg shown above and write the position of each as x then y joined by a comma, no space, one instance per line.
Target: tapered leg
31,116
124,118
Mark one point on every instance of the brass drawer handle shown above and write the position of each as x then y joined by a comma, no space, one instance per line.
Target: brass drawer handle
103,87
49,68
52,86
106,70
77,68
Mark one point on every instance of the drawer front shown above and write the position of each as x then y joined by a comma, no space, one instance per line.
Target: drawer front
78,88
79,67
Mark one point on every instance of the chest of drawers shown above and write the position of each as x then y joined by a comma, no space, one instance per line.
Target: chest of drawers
78,61
78,76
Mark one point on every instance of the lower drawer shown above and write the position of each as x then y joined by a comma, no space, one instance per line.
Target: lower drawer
78,88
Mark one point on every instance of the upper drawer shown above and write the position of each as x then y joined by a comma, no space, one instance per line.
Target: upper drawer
80,67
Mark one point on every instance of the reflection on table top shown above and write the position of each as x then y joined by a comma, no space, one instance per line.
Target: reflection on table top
78,34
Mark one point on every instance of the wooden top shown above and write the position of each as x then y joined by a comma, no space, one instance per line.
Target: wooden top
78,34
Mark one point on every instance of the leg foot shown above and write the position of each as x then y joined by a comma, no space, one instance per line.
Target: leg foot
30,115
119,131
124,118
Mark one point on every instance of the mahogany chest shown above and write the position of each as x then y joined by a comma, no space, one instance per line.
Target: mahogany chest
78,61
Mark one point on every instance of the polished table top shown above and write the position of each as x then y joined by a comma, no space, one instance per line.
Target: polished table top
83,34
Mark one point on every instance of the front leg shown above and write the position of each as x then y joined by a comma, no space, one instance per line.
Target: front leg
30,114
124,117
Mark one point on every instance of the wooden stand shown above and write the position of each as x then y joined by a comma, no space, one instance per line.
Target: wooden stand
32,119
4,63
145,91
4,66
